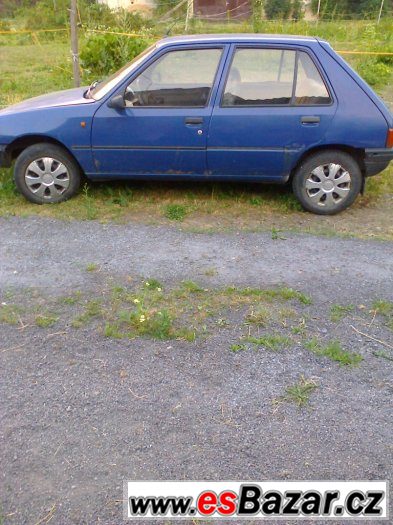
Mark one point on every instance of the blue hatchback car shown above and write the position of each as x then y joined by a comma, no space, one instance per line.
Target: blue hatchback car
260,108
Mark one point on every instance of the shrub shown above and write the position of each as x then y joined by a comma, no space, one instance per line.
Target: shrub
277,9
375,71
102,54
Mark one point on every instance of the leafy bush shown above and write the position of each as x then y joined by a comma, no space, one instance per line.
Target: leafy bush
44,14
331,9
104,53
277,9
4,25
375,71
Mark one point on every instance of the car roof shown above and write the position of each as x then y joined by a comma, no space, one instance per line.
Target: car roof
236,37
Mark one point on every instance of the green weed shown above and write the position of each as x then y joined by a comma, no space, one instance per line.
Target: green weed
45,321
175,212
89,204
338,312
385,308
238,347
92,309
270,342
300,392
10,314
335,352
92,267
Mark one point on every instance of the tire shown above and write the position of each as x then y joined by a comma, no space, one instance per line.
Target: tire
45,173
327,182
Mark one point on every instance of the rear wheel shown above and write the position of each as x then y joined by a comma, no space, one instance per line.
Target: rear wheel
327,182
46,173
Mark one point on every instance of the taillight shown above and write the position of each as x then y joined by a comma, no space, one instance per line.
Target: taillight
389,140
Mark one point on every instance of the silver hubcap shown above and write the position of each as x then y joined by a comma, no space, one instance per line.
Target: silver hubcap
328,185
47,177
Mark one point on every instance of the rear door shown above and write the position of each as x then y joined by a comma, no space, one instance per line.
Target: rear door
273,103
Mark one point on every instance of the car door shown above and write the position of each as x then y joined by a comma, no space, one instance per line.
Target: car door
273,103
162,128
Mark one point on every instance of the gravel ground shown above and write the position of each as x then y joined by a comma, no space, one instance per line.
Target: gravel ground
80,413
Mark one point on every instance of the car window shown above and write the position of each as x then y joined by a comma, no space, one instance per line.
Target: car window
260,76
310,88
181,78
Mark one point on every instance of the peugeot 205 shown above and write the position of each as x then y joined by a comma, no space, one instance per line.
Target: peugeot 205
257,108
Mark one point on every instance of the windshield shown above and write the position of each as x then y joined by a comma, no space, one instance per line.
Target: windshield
102,88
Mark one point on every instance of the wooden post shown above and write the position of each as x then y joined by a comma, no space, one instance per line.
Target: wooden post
380,11
319,8
189,14
74,43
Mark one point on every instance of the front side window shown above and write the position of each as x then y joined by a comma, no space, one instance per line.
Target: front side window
260,77
181,78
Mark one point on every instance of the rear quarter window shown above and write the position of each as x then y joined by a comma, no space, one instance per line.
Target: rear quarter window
310,88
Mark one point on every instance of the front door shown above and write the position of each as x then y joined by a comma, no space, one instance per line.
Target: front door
273,105
163,128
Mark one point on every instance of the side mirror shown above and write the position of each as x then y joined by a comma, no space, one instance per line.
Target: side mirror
117,102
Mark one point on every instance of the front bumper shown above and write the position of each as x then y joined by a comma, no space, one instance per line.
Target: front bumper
376,160
5,159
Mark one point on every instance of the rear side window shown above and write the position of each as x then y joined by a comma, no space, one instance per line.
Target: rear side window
310,88
260,77
177,79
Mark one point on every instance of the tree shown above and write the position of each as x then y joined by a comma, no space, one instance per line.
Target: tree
277,9
297,9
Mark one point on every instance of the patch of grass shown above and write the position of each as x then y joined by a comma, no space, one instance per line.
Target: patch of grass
270,342
300,328
92,309
238,347
276,235
290,293
112,330
338,312
335,352
256,201
72,299
191,287
259,316
210,272
385,308
9,314
300,392
283,293
153,324
153,284
45,321
175,212
383,354
89,204
91,267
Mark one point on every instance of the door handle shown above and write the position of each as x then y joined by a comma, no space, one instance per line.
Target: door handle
310,120
194,120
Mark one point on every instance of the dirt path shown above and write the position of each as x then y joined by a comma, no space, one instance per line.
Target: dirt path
81,412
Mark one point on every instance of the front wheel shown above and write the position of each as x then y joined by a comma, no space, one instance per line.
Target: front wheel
327,182
46,173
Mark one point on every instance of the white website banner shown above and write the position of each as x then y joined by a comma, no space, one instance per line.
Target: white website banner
301,500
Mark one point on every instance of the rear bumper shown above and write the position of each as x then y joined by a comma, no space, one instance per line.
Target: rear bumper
5,159
376,160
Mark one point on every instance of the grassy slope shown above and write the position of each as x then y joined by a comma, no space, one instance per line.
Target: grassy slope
28,70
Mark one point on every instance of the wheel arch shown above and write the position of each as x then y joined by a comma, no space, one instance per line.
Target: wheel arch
17,146
356,153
